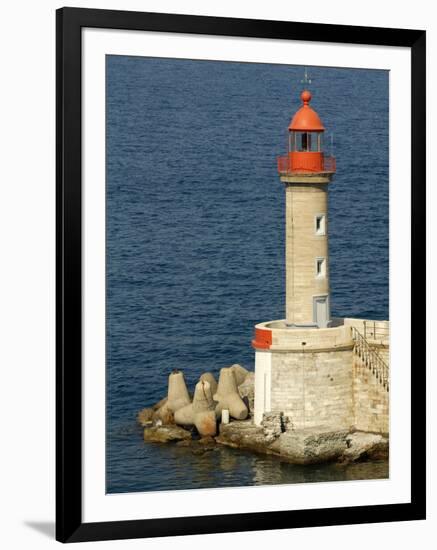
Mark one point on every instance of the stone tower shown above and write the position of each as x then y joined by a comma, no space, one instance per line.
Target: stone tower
306,172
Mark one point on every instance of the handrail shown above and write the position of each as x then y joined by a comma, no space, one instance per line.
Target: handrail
376,330
371,358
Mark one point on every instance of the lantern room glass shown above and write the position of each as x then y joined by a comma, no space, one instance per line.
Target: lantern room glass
305,142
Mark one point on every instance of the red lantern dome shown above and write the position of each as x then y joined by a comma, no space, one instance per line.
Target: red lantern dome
306,119
305,144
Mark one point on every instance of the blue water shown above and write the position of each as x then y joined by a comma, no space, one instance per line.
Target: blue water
195,239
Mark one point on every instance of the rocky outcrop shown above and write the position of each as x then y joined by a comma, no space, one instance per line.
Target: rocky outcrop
274,424
165,434
304,446
163,414
243,435
309,447
145,416
362,446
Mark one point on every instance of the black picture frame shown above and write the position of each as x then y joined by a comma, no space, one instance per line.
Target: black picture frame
69,525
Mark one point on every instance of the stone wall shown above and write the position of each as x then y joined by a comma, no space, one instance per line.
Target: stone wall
314,389
371,399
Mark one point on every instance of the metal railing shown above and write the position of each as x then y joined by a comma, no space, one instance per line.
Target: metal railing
376,330
370,358
285,167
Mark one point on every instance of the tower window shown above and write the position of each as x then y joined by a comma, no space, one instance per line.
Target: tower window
320,267
305,142
320,224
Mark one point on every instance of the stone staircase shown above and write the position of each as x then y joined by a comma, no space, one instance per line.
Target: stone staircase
370,359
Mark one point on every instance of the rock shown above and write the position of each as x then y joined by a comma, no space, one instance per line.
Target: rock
240,373
310,446
361,445
164,434
178,396
145,416
163,414
227,395
207,441
274,424
243,435
209,377
247,390
301,447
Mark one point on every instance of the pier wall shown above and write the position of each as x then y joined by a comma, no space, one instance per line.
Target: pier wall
314,389
371,401
314,377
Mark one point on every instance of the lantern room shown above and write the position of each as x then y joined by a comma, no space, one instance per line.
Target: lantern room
305,143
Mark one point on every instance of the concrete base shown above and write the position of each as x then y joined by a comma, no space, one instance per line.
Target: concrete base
307,374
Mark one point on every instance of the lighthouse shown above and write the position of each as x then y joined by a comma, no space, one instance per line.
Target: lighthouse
306,172
303,362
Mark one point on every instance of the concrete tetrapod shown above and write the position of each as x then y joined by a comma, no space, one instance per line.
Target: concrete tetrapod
198,413
202,400
228,397
206,423
240,373
209,377
203,409
178,396
184,416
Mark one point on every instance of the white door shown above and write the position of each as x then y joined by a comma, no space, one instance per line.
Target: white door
321,313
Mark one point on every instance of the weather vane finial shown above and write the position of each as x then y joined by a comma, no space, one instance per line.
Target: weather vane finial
306,78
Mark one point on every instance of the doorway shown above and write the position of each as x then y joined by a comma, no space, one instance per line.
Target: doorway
321,310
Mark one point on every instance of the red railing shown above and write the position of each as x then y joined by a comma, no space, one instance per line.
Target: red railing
285,167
